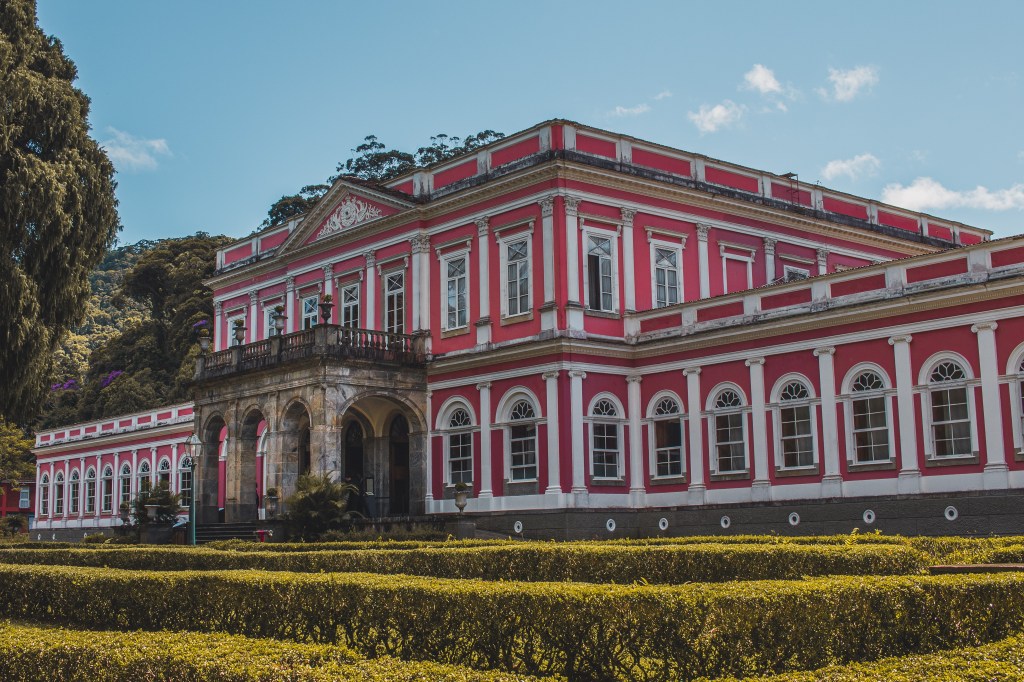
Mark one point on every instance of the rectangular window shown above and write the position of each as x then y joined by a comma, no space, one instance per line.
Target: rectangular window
666,277
270,315
517,277
233,324
108,495
523,450
76,490
668,447
797,442
310,311
456,308
185,486
729,444
126,490
23,498
951,423
870,430
460,458
599,274
350,306
606,450
394,302
90,495
44,498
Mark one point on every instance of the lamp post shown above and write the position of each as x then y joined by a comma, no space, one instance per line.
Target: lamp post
192,445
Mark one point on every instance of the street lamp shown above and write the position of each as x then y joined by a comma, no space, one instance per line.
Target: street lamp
192,445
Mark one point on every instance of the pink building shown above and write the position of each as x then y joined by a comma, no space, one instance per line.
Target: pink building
572,321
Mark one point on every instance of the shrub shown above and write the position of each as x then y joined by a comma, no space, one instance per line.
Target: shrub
592,632
319,505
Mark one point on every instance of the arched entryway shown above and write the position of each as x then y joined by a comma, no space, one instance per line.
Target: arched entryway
398,449
208,471
242,501
296,455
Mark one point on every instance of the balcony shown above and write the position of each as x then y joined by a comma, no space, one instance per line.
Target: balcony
326,342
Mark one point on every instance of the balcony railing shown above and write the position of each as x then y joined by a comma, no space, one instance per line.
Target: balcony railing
326,341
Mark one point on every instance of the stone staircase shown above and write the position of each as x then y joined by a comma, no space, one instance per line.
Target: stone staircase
227,531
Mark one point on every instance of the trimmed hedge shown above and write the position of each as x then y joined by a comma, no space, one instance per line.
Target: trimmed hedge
1000,661
34,653
590,632
533,562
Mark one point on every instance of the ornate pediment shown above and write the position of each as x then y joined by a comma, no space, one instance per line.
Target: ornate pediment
350,212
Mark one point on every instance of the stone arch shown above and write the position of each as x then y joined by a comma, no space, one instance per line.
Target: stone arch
207,484
241,491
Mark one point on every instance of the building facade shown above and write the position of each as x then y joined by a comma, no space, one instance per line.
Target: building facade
572,321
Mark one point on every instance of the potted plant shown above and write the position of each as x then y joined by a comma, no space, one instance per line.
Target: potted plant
279,318
270,498
461,495
326,305
202,328
239,330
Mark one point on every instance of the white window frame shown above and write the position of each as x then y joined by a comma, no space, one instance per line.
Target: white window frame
90,497
848,397
59,493
675,248
75,492
612,235
305,316
144,472
185,491
24,498
231,330
44,495
161,470
446,260
268,319
511,398
1014,380
727,256
711,414
653,420
347,306
617,421
107,502
924,388
443,428
504,241
386,308
124,474
776,406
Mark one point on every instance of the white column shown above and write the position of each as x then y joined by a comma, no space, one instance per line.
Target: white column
703,266
832,481
152,468
769,259
551,404
329,290
115,485
429,454
483,325
822,261
254,318
549,310
485,442
416,285
910,473
760,488
424,286
218,322
628,260
99,485
574,306
289,305
996,471
637,489
371,290
579,472
133,482
696,441
81,487
174,469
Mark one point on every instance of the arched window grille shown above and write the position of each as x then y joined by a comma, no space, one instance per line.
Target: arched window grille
795,434
522,438
459,446
145,478
126,483
44,495
950,410
90,491
605,440
107,495
163,473
75,492
668,438
185,483
730,433
58,494
870,419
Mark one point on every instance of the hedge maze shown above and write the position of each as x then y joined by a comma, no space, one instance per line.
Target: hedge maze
835,608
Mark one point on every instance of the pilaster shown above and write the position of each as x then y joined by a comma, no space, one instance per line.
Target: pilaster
832,482
910,472
760,488
703,265
996,471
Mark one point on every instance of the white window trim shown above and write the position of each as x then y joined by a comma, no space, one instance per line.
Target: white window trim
776,406
357,285
24,498
231,330
444,415
848,397
505,423
302,310
75,501
710,413
503,241
383,278
612,234
726,257
44,495
652,442
113,488
619,421
445,259
972,384
1014,381
677,248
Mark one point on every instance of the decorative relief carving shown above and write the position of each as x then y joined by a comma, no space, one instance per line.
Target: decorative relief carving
702,232
572,205
349,213
482,227
329,271
371,258
822,255
769,246
420,243
627,215
547,206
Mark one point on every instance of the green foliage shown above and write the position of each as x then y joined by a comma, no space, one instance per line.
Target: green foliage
16,460
58,214
592,632
375,162
168,505
33,652
289,206
319,504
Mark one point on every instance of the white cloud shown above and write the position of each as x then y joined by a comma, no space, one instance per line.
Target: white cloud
846,85
926,193
762,79
664,94
708,119
128,152
630,111
857,167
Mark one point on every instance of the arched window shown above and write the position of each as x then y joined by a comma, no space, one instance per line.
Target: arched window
163,473
107,498
90,491
870,419
44,495
796,436
950,410
126,483
58,494
459,447
522,442
145,477
75,494
668,438
605,440
730,433
185,483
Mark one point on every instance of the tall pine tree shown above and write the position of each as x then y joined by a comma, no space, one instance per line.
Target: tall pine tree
58,214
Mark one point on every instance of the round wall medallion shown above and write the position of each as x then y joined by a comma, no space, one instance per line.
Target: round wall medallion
663,523
725,522
868,516
610,525
951,513
517,527
794,519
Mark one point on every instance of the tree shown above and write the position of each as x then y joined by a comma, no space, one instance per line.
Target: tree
374,161
319,505
16,460
58,214
296,204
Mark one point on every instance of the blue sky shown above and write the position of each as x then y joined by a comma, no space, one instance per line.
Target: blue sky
213,110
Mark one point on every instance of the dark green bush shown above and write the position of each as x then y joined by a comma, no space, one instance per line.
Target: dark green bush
593,632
